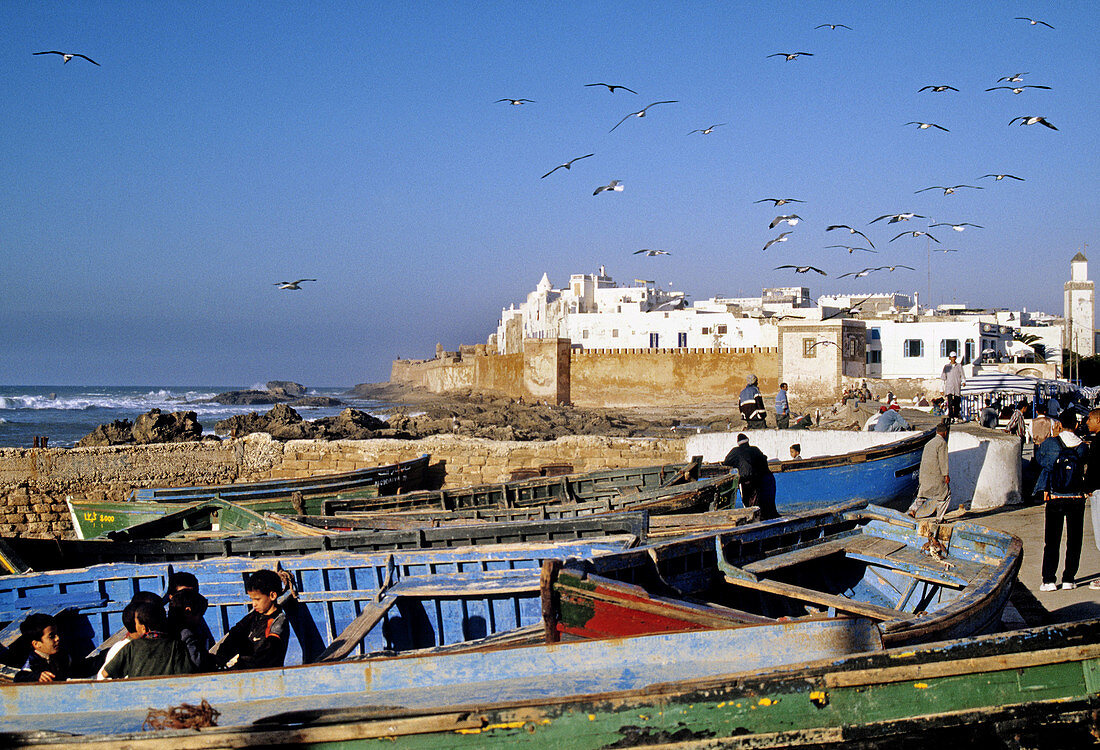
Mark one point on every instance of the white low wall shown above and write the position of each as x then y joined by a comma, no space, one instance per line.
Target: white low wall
984,465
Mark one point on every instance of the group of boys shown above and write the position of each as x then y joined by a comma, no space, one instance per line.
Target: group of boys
167,643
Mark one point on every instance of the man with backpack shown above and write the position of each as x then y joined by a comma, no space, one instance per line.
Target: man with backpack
1061,481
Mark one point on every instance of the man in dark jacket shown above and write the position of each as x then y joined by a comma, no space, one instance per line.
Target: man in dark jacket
754,478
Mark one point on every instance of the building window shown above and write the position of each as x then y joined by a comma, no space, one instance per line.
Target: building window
876,334
913,348
874,357
584,333
614,333
808,348
654,340
720,330
969,355
948,345
706,330
681,339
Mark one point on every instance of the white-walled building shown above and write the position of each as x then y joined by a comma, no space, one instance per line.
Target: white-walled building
914,347
1079,309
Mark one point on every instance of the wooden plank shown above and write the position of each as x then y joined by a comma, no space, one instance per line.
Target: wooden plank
357,629
772,563
801,593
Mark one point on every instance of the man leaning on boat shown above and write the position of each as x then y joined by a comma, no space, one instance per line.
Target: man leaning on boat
935,482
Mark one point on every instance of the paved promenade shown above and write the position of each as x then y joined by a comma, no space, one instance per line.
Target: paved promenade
1044,607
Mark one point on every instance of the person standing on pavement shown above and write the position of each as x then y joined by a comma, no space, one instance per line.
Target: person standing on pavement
935,481
953,380
1092,476
782,408
754,478
1062,462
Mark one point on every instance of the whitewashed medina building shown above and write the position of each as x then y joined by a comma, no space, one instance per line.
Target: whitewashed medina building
596,313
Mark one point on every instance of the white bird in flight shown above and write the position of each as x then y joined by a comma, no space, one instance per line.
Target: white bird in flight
66,56
1001,177
791,55
650,253
858,274
791,220
926,125
514,102
831,227
894,218
640,112
566,165
833,26
1033,21
1018,89
780,238
1015,78
916,233
614,186
891,269
957,227
707,131
1033,120
611,87
802,269
853,249
948,190
291,284
937,89
777,202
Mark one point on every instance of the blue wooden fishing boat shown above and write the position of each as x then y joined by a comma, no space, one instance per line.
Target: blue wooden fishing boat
885,474
393,602
918,581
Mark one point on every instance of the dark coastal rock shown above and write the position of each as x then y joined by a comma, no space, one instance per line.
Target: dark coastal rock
115,433
317,401
175,427
350,424
248,398
282,423
286,388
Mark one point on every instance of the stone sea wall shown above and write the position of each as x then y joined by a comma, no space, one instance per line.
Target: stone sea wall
34,483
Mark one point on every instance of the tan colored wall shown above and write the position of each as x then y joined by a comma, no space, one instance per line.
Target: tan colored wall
630,377
502,373
34,482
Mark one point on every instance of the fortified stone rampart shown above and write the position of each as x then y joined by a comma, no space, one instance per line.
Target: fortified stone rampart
34,483
603,377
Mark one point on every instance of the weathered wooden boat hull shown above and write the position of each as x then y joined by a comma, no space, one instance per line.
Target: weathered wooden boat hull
882,475
50,554
558,671
1039,685
850,560
392,478
412,598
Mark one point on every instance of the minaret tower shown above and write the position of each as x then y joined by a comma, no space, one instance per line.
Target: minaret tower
1079,309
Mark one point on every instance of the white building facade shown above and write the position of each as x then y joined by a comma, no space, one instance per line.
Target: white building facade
918,348
1079,309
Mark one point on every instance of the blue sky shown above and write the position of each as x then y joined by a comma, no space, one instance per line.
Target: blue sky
151,203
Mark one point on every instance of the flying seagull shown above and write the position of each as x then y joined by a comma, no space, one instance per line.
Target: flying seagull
777,202
1018,89
291,284
853,249
858,274
614,186
831,227
66,56
1001,177
791,55
651,253
707,131
514,102
611,87
847,310
833,26
948,190
1032,120
957,227
926,125
819,342
780,238
791,220
640,113
937,89
802,269
891,269
1016,78
894,218
567,165
916,233
944,250
1033,21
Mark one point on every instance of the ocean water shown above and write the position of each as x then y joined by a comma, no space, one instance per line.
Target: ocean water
65,414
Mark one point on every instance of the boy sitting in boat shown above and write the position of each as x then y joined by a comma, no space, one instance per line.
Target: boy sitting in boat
47,661
259,640
185,616
131,628
155,651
